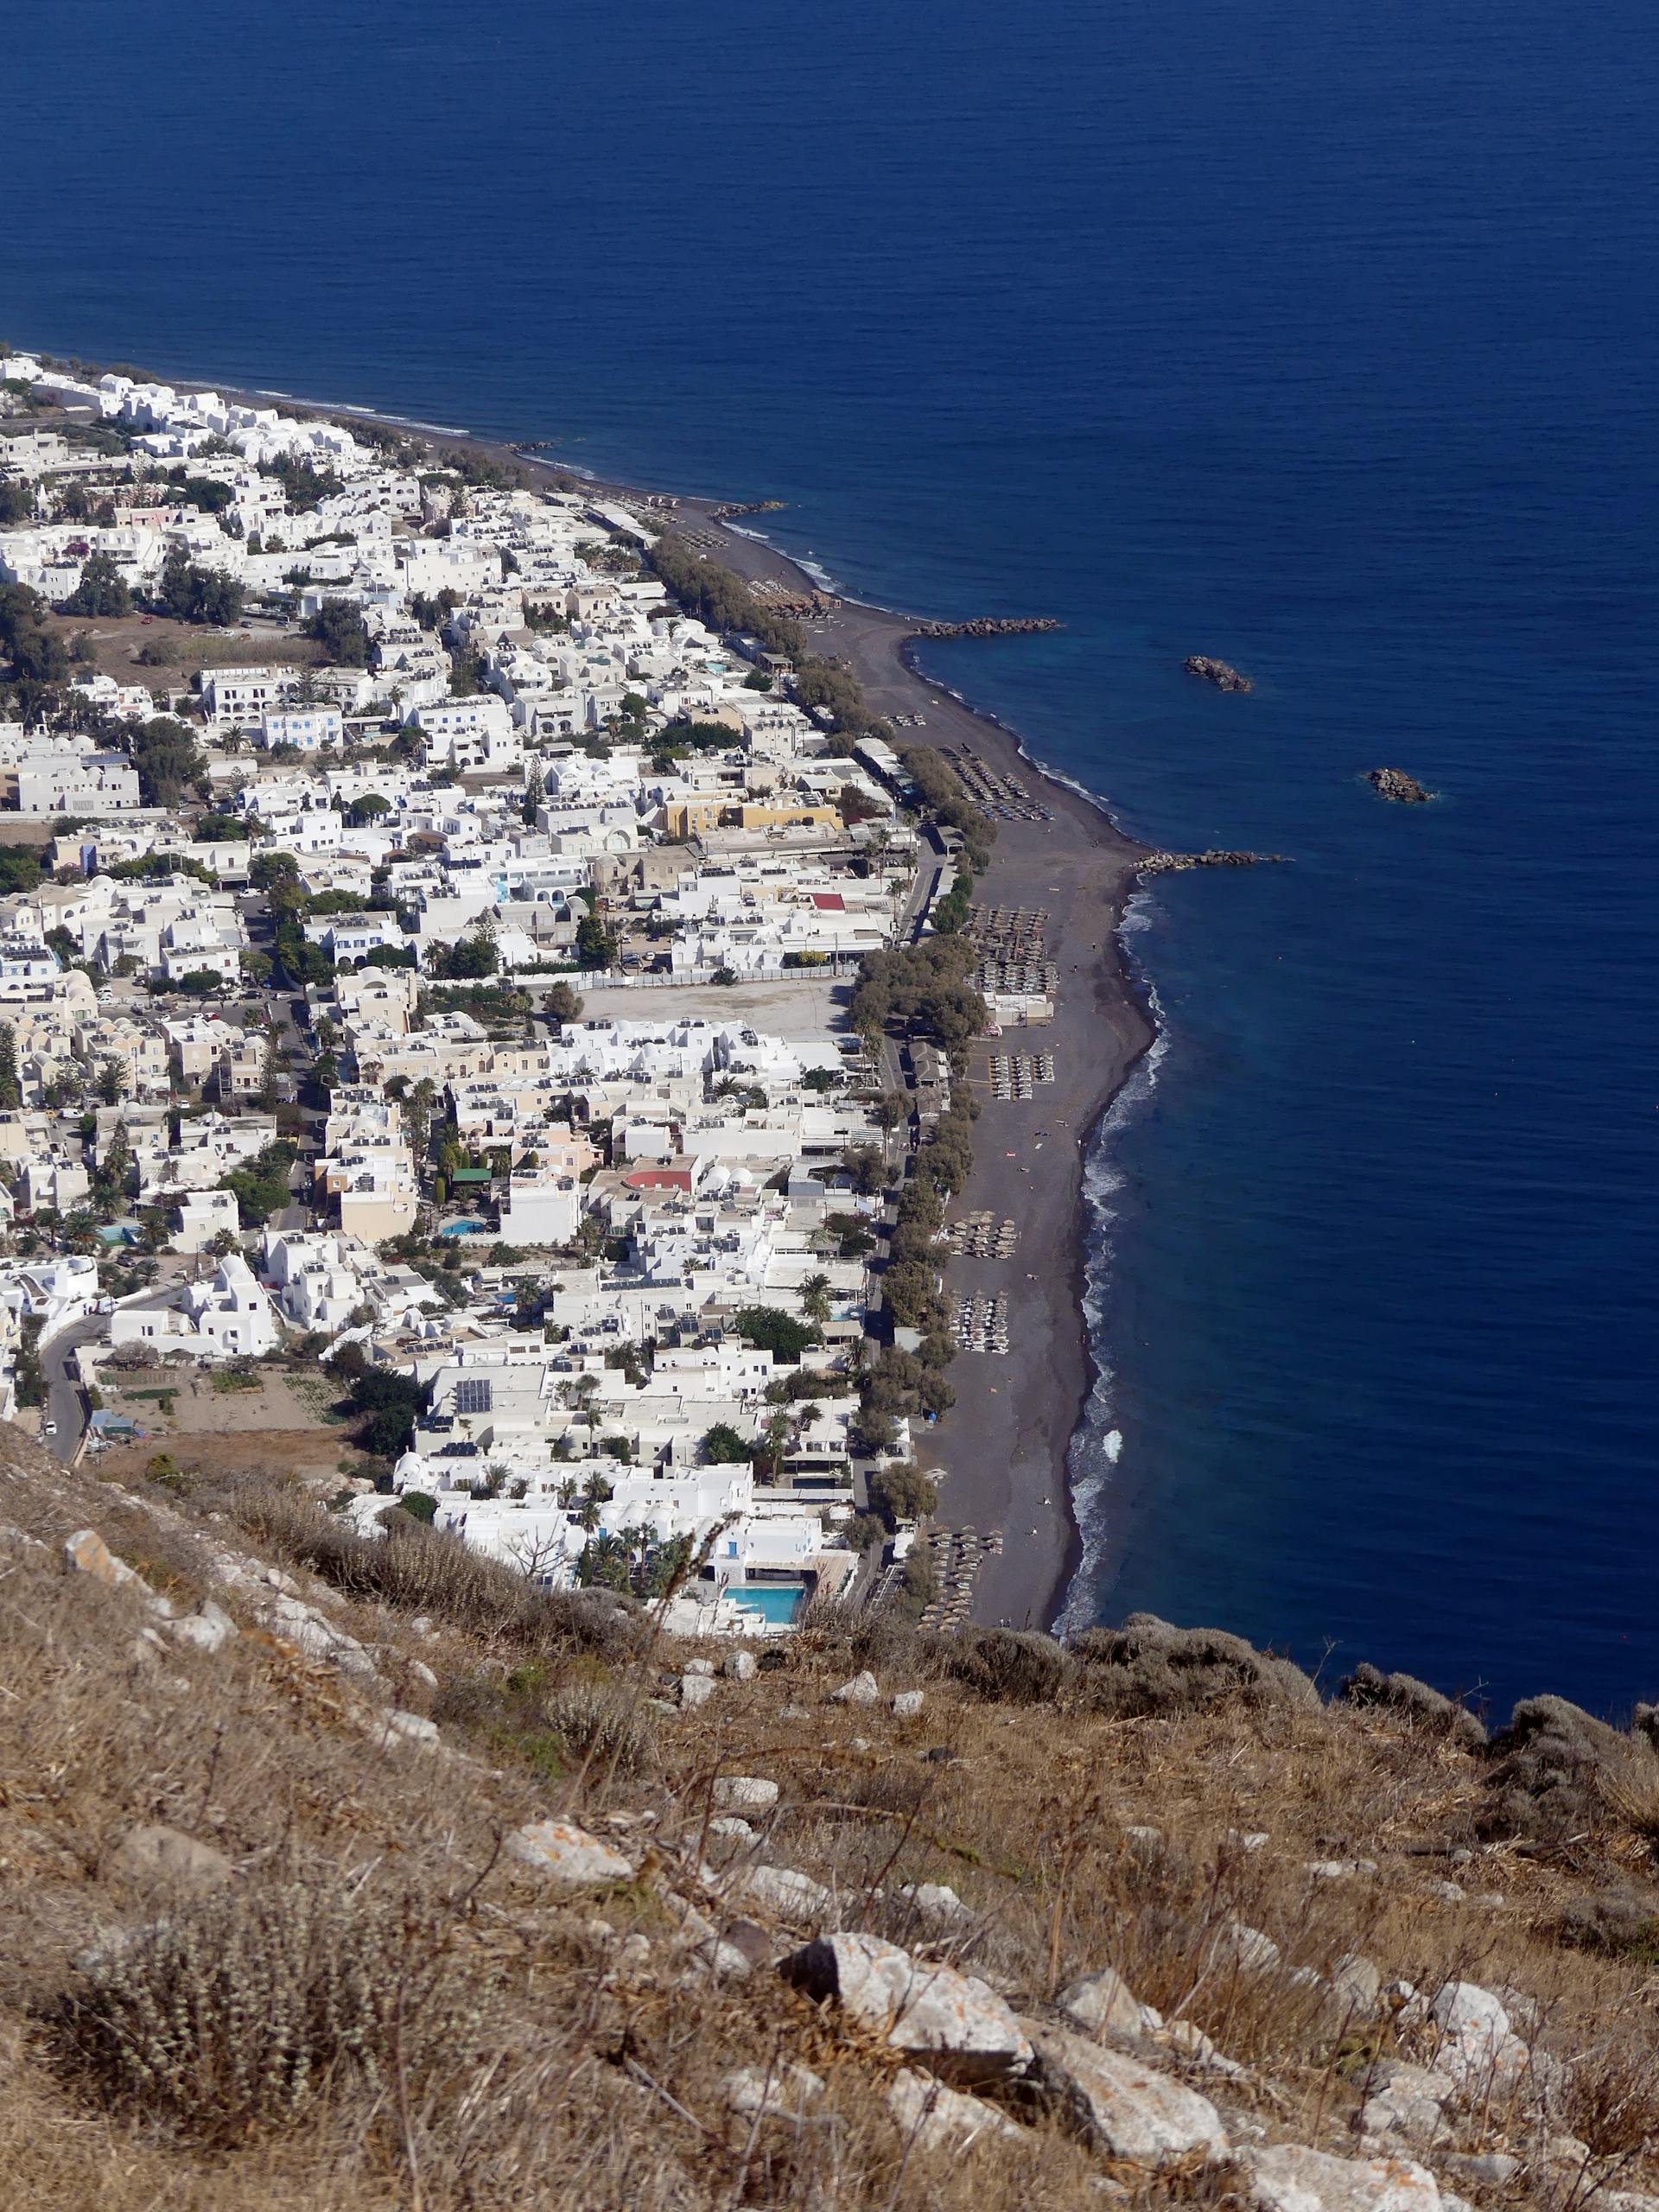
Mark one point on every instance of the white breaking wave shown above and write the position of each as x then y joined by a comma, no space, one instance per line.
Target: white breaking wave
803,561
1097,1446
365,414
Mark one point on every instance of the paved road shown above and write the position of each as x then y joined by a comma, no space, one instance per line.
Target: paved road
65,1401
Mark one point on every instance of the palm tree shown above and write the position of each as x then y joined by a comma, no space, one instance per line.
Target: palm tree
814,1299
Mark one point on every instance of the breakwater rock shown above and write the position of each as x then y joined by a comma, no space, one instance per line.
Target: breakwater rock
1177,863
990,625
1221,673
1395,784
747,507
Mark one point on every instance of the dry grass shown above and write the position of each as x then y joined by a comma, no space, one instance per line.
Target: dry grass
426,2028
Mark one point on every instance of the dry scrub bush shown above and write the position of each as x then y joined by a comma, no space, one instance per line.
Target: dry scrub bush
236,2012
416,1570
1554,1762
555,1723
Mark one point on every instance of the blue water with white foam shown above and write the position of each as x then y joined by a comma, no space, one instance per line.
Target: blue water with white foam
1318,338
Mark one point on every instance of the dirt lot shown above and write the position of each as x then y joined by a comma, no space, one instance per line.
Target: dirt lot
280,1427
313,1454
117,641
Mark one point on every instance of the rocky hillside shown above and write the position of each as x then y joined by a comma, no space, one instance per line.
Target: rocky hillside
343,1874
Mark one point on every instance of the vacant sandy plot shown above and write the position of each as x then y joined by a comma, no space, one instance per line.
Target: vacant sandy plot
117,643
808,1008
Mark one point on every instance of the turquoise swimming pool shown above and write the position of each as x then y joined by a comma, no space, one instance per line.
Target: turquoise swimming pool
462,1228
777,1603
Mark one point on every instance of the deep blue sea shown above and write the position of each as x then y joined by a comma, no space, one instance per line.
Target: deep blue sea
1319,338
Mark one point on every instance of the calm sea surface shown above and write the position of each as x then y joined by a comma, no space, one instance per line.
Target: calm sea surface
1318,337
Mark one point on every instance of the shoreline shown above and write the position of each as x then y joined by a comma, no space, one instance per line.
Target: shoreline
1003,1451
1005,1446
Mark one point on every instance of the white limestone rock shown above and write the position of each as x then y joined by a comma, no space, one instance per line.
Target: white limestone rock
695,1690
86,1552
1187,2039
745,1793
957,2024
567,1856
740,1665
153,1854
1416,2121
793,1897
1478,2048
1288,2177
936,1905
908,1704
863,1690
1357,1984
410,1728
1103,2004
1119,2105
210,1627
939,2119
1236,1943
782,2092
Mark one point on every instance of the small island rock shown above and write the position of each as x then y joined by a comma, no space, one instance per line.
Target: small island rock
1395,784
1221,673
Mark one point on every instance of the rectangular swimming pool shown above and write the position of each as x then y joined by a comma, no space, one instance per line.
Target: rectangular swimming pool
777,1603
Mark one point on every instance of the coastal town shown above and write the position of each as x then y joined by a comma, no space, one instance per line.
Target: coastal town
476,970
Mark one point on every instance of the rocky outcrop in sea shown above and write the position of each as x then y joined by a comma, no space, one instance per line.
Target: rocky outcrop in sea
1395,784
1221,673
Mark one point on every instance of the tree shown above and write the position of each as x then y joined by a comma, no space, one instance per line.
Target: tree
535,793
562,1003
596,945
388,1404
111,1081
869,1433
369,808
814,1299
261,1186
168,760
416,1107
192,594
867,1167
722,1446
19,867
892,1108
11,1095
469,959
902,1492
772,1330
37,654
102,590
340,629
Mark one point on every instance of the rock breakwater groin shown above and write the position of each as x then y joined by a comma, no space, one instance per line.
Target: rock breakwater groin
1221,673
990,625
1177,863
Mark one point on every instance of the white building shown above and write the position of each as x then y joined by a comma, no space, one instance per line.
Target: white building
308,729
225,1317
